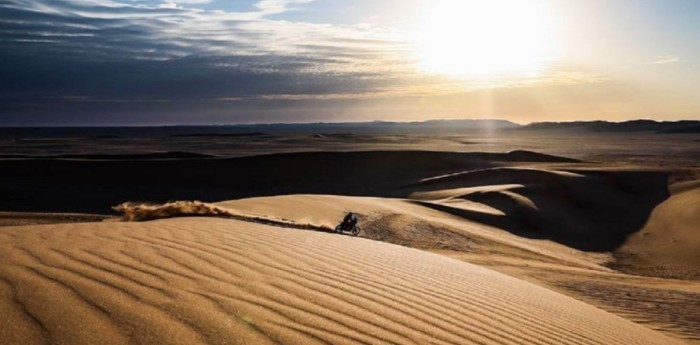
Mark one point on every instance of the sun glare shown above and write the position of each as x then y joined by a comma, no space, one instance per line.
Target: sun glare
484,38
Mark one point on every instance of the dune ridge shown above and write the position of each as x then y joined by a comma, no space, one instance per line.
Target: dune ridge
223,281
587,209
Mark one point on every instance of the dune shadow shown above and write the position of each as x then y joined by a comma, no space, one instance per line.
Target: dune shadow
504,222
591,210
95,185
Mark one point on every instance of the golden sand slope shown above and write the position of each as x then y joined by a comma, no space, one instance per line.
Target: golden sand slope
411,224
216,281
669,243
665,305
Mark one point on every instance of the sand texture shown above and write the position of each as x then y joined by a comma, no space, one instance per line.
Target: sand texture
217,281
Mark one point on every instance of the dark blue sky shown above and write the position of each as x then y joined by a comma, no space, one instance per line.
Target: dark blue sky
140,62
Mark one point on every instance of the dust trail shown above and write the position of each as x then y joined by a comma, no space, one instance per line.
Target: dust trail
139,212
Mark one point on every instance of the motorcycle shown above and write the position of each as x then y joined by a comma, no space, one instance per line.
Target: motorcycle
347,227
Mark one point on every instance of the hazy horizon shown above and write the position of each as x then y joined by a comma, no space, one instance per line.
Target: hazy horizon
339,122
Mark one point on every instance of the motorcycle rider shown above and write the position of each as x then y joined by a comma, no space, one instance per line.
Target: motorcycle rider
350,220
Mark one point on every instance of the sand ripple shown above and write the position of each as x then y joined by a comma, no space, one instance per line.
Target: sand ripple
219,281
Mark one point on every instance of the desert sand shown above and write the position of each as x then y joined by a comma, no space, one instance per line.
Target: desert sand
458,248
198,280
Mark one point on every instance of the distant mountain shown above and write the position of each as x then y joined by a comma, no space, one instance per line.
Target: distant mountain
430,127
627,126
373,127
389,126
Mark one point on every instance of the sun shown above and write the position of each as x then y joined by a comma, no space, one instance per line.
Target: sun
484,38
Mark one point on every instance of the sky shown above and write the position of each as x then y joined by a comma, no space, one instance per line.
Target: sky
180,62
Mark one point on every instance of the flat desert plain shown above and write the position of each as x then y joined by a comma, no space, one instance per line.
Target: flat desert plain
464,240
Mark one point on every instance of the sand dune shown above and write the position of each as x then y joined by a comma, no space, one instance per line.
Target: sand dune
665,305
669,242
248,271
410,224
586,209
593,210
216,281
651,226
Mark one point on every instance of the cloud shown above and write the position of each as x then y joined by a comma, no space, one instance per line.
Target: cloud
61,45
666,59
86,57
278,6
179,3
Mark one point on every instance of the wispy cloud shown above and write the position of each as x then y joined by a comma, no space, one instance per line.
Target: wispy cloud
180,3
267,7
666,59
262,8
